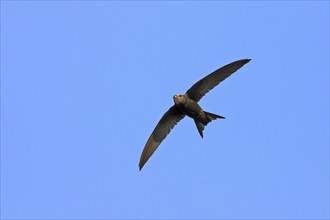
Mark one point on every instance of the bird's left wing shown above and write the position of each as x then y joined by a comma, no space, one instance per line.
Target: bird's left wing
164,126
199,89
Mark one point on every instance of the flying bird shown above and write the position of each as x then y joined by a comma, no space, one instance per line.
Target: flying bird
186,104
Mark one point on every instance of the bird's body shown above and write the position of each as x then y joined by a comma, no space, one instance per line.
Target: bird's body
187,104
189,107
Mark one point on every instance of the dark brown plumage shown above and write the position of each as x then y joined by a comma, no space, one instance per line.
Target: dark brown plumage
187,105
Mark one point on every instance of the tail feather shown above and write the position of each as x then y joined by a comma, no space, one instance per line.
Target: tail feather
200,127
211,116
200,124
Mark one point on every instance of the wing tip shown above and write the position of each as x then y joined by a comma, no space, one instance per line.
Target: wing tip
245,60
240,63
141,164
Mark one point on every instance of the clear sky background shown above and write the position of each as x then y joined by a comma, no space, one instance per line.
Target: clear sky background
84,83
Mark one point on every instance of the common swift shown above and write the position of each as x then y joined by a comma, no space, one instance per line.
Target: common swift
186,104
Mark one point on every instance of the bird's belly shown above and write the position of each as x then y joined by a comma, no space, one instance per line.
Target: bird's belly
193,114
193,111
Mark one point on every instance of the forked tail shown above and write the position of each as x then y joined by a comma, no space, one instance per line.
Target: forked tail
200,124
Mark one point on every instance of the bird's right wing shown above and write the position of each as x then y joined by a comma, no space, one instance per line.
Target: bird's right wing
164,126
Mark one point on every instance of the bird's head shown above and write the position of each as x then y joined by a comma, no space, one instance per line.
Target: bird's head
178,99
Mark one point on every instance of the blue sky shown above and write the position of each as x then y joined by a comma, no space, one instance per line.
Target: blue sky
84,83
